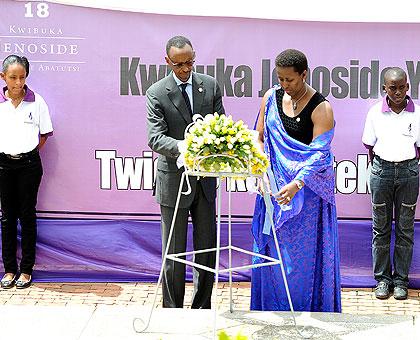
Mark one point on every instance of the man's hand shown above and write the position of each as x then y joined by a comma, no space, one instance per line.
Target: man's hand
180,161
182,146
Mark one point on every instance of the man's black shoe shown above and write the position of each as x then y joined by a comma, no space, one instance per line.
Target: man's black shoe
383,290
400,293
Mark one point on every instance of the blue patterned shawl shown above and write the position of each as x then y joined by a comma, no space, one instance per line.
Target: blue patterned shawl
306,228
289,160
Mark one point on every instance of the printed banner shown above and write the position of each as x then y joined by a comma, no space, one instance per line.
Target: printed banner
94,66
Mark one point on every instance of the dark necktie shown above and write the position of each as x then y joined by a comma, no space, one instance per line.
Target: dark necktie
186,98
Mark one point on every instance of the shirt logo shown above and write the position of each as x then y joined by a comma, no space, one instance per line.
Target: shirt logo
408,131
28,119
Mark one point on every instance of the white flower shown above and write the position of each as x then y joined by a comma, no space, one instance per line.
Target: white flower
200,141
225,137
207,119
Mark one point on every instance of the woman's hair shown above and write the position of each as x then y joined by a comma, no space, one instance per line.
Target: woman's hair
14,59
292,58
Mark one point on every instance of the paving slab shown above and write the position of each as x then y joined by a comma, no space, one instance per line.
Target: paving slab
113,322
43,322
90,311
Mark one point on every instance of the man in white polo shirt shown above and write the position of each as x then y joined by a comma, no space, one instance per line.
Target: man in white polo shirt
392,135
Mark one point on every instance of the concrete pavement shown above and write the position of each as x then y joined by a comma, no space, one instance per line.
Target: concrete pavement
106,311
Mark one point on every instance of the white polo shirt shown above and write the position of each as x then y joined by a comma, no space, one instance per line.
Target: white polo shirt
20,127
394,136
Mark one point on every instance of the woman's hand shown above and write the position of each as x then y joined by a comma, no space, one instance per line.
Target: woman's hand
286,194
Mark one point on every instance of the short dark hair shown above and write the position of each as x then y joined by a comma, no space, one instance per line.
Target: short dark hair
396,72
14,59
292,58
178,41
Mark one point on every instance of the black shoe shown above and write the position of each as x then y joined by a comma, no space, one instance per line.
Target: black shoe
383,290
400,293
7,284
22,283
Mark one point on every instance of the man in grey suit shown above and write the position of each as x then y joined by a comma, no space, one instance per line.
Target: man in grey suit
171,103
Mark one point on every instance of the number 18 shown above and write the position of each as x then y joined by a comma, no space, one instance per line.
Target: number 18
41,10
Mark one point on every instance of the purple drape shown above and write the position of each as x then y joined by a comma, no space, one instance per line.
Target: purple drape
130,250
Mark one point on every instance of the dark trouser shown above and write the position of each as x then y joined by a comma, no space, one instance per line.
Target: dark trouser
19,183
394,187
204,236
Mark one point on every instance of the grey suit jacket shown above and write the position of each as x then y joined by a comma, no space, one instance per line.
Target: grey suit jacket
167,118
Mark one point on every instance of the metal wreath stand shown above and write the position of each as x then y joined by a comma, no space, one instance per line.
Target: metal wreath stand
177,256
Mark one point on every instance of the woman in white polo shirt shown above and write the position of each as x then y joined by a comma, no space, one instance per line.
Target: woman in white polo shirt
25,125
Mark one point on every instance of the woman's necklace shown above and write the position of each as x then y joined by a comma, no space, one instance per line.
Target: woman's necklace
294,103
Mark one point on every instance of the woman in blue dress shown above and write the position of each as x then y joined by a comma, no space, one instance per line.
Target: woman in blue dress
296,127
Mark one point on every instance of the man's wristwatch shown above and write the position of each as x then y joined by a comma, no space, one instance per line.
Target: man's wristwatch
298,184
